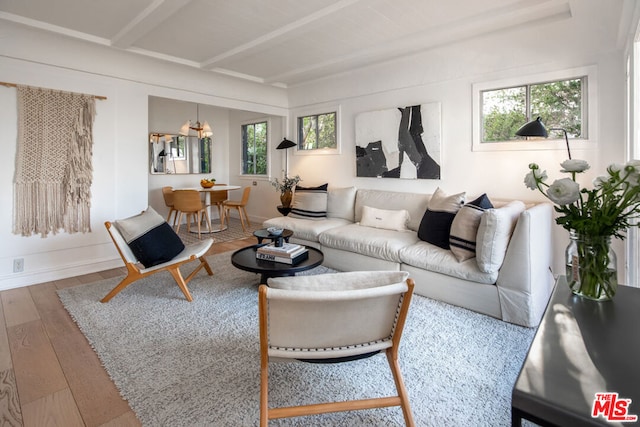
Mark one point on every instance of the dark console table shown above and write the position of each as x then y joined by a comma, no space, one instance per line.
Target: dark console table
581,348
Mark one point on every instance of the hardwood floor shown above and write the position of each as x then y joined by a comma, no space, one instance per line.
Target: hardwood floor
49,375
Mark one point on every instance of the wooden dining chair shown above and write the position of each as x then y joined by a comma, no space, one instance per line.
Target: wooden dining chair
189,202
240,206
167,194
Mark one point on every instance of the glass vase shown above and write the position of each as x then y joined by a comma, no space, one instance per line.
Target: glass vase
591,267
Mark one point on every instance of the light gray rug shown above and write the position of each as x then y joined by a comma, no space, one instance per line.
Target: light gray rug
197,364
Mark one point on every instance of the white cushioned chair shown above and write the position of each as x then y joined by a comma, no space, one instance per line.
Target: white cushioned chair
333,318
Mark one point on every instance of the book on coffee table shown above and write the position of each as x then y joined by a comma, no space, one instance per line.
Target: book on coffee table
286,250
294,259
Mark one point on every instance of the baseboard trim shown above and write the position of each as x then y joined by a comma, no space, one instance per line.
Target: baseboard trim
63,272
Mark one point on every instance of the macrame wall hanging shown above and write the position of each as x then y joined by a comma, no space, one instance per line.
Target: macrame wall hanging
52,187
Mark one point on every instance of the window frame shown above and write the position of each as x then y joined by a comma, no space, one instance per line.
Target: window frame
590,103
267,174
316,110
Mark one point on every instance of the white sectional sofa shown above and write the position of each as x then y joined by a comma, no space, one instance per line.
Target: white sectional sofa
510,278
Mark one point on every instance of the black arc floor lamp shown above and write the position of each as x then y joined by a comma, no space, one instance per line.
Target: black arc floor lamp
284,145
536,128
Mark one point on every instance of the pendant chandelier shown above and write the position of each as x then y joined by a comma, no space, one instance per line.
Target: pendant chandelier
203,130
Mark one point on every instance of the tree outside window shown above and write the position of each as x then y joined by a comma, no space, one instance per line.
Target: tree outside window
254,148
317,131
560,104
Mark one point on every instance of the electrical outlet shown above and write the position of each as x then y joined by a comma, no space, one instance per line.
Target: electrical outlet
18,265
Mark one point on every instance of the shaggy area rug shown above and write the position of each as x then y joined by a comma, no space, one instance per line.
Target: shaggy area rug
197,364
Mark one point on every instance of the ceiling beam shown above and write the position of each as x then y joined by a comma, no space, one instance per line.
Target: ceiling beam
282,31
150,18
490,21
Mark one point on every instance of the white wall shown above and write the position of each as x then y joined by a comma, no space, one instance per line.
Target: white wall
264,198
446,75
121,174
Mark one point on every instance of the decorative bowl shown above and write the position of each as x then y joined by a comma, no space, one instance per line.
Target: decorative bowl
206,183
275,231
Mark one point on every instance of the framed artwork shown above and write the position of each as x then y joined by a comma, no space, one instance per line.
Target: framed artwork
402,142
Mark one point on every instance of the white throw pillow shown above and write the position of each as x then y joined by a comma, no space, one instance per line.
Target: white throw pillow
341,203
385,219
494,233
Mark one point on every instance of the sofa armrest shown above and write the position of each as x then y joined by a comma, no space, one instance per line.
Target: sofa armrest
525,280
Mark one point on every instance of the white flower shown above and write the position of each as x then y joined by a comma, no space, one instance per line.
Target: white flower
615,168
532,178
574,165
564,191
633,167
600,181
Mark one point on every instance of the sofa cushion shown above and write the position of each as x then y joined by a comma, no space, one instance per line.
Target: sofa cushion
310,202
464,228
383,218
436,221
434,258
494,233
150,238
341,203
304,229
372,242
414,203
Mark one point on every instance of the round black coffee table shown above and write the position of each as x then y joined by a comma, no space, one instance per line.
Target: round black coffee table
245,259
264,234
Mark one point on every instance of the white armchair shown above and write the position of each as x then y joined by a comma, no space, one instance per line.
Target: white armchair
333,318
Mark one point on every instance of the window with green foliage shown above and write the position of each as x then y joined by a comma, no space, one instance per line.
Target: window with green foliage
254,148
317,131
560,104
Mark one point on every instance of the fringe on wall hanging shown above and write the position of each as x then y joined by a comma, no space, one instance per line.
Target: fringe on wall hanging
52,186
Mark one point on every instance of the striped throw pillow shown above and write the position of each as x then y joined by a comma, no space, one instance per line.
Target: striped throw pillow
464,229
310,203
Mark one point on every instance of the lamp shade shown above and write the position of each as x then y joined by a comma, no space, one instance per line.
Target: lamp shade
206,130
184,130
533,128
285,144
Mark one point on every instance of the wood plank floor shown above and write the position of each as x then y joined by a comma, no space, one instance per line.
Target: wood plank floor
49,375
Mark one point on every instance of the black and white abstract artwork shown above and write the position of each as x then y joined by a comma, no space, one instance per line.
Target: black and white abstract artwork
402,142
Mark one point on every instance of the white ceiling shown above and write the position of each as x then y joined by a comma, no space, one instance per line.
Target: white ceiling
281,42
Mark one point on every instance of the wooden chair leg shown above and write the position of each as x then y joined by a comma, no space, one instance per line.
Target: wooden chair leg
180,221
206,265
246,216
400,388
175,272
244,228
131,277
208,219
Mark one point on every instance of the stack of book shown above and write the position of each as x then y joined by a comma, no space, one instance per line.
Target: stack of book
288,253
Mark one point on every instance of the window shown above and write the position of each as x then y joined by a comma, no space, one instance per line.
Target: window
254,148
563,100
317,131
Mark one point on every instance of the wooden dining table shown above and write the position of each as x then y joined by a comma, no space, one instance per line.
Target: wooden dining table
208,198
